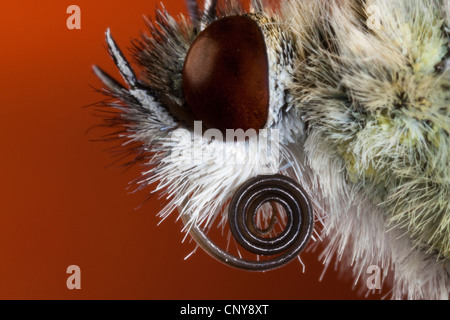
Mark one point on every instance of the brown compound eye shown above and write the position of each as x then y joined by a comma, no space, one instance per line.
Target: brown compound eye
226,75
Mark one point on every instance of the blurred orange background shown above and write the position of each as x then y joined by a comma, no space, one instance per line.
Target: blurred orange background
61,206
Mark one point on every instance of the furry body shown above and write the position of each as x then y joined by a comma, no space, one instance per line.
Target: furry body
364,118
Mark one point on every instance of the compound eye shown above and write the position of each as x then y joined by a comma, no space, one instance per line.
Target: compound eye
226,75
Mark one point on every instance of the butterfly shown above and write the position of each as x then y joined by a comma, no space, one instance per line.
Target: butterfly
313,121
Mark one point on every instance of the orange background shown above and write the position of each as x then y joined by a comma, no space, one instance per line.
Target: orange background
61,206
